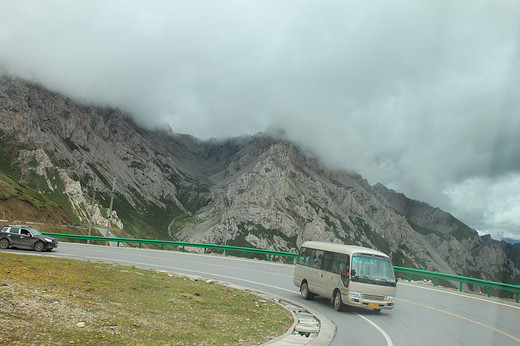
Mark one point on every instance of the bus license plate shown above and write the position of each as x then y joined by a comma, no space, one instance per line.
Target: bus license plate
373,306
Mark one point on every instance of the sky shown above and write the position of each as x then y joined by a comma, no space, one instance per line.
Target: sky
421,96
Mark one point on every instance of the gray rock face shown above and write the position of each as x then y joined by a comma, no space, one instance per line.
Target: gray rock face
270,193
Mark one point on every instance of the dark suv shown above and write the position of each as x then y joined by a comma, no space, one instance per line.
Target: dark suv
24,237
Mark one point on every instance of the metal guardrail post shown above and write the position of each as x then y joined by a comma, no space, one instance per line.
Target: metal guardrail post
461,284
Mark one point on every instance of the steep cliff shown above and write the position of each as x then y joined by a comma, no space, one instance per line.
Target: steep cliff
269,192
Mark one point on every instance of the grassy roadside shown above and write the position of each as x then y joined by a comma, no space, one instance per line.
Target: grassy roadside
50,301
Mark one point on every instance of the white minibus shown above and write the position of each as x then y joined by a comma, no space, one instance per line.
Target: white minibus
348,275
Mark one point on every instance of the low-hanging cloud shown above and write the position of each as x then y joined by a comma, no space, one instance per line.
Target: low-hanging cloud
421,96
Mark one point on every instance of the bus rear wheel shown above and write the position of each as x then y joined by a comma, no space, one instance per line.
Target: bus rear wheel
304,290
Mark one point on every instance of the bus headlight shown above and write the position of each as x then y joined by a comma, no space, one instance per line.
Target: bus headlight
354,294
389,298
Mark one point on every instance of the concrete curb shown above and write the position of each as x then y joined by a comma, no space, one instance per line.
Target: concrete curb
309,327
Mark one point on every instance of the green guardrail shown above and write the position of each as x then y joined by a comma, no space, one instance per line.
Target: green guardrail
292,256
461,279
225,248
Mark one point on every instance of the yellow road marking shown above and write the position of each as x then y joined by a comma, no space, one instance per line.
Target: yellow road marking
461,317
466,295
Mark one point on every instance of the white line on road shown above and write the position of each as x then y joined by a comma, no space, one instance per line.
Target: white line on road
385,335
195,271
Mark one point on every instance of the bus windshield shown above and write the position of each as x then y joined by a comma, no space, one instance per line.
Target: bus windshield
372,270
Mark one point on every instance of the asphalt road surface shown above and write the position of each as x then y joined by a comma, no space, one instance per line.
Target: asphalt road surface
423,315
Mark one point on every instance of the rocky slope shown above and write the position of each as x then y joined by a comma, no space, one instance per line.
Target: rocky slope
270,193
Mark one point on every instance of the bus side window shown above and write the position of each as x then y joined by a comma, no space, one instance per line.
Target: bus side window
301,256
339,262
327,261
317,258
305,256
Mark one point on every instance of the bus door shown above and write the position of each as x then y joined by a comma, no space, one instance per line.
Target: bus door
330,274
317,274
339,262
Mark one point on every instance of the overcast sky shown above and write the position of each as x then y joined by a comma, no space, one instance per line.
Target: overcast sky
422,96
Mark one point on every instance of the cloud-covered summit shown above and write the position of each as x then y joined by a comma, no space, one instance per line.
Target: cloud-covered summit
423,97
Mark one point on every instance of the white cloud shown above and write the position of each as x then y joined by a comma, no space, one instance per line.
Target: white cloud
491,205
416,95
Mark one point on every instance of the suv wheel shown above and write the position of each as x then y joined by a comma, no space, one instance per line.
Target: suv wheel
4,243
39,246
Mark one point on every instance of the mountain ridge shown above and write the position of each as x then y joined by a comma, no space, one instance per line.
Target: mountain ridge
269,191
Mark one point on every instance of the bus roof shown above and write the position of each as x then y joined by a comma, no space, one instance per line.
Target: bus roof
342,248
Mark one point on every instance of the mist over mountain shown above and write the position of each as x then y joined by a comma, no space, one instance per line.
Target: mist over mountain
270,192
511,241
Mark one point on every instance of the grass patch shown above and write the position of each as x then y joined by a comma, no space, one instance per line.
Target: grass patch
46,300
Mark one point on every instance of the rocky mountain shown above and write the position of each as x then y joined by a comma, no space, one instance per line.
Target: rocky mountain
269,192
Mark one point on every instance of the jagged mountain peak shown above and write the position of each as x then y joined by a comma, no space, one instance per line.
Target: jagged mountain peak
270,192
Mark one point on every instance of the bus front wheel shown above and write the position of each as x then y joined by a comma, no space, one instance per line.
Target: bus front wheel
304,290
338,303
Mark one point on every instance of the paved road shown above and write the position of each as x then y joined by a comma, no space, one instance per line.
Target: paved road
422,316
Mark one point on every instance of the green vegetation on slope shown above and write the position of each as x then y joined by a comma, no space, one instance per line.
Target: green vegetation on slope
12,189
145,221
9,148
24,184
